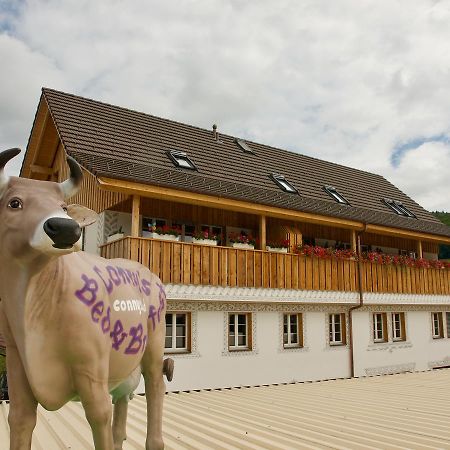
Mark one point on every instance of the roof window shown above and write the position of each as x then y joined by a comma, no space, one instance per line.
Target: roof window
332,192
244,146
283,183
398,207
181,159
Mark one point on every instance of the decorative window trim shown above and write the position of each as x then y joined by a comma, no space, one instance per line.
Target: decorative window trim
299,318
251,328
176,156
402,322
376,329
188,348
437,325
398,208
331,323
244,146
301,311
281,181
335,195
248,332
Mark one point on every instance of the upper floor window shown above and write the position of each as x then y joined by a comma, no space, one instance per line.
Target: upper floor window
398,327
244,146
380,327
438,326
283,183
239,331
398,207
178,326
181,159
292,330
337,330
332,192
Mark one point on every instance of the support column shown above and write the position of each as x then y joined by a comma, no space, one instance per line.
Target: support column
135,216
353,241
262,232
419,249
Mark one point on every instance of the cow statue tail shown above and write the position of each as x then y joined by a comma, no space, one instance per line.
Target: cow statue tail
168,367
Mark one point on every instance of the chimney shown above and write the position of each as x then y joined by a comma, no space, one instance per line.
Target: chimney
215,133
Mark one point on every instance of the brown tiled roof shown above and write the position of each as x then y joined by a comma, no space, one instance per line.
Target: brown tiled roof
120,143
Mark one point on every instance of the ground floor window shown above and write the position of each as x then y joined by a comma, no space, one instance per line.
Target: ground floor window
380,327
337,329
438,325
178,330
398,326
292,330
239,331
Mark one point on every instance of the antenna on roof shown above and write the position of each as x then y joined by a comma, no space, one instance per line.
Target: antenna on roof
215,133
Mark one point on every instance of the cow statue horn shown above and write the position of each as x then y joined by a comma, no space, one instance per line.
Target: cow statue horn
4,158
72,184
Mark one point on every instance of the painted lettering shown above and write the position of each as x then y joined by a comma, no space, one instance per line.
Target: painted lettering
122,273
162,300
151,315
106,321
146,286
108,285
88,293
118,335
113,275
136,340
97,311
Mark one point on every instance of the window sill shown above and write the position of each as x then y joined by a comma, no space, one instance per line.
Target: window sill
176,352
234,349
337,344
289,347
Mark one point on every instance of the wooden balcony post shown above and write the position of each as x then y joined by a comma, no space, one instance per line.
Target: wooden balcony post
135,216
419,249
262,232
353,241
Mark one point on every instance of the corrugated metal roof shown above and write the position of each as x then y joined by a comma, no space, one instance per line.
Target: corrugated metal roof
120,143
406,411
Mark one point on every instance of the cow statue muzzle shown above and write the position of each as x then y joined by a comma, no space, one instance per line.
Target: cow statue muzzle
63,232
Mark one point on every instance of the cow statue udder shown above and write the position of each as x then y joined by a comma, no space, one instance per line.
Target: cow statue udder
76,326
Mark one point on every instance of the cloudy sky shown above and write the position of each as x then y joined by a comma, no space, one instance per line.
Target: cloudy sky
362,83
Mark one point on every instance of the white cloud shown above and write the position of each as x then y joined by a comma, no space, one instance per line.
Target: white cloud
346,81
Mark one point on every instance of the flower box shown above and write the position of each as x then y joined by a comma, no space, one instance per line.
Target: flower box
243,246
204,241
276,249
163,237
114,237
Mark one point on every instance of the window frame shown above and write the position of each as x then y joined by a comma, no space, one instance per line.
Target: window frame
299,323
248,332
440,324
188,336
383,329
333,193
399,208
402,329
177,155
332,331
244,146
282,183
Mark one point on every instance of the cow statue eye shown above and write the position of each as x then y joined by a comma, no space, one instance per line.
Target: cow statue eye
15,203
64,208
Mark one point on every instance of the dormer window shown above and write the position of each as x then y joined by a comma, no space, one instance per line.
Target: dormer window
332,192
398,207
181,159
283,183
244,146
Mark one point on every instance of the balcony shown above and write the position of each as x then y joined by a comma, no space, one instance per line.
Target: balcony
185,263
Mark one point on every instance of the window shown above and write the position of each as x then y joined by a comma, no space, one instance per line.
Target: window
239,331
212,230
337,329
398,207
332,192
447,317
380,327
438,326
292,330
178,330
244,146
283,183
181,159
398,327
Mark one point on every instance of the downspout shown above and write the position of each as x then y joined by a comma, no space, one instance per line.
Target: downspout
361,303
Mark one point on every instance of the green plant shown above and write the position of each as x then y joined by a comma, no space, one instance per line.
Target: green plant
116,231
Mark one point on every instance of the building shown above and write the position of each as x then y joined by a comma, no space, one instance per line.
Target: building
240,315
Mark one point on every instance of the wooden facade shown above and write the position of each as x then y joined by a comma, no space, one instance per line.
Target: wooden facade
184,263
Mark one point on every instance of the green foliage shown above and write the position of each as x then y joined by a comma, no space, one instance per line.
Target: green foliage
444,250
2,364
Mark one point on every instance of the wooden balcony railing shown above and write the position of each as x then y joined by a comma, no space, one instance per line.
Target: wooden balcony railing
184,263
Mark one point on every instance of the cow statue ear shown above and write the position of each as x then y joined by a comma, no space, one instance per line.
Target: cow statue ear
84,216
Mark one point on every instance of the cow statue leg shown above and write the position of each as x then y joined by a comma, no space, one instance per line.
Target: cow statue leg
119,426
22,408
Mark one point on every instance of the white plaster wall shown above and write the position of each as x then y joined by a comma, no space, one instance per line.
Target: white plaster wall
90,238
212,366
419,352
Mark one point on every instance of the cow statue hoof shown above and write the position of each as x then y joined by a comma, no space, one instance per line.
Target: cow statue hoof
168,368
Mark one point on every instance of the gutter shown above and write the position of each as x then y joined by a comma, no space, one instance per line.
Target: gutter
360,305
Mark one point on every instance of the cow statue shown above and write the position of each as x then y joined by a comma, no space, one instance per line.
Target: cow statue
76,326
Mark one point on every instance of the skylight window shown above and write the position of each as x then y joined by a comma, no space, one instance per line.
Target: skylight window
283,183
332,192
181,159
398,207
244,146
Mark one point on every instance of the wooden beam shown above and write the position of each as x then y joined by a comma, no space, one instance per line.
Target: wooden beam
41,169
419,249
135,216
353,241
145,190
262,232
406,234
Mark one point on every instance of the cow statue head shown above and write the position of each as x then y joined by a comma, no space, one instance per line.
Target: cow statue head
34,216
